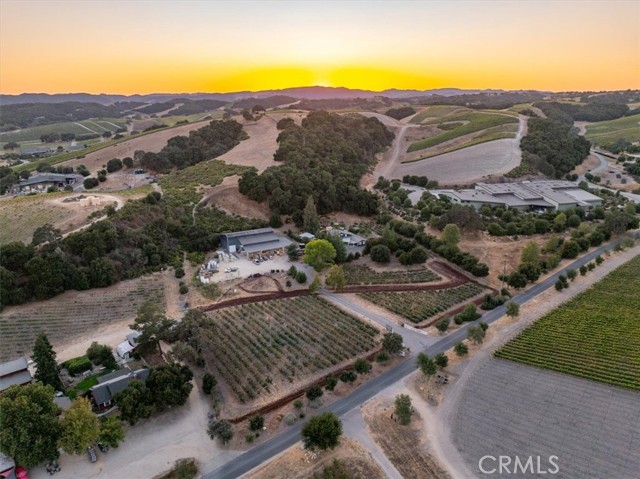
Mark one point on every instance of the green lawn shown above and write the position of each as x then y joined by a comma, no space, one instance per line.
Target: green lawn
474,121
607,132
595,336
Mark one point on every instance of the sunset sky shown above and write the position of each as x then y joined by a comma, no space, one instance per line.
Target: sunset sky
164,46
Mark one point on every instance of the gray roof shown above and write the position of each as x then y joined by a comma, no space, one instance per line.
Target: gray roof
112,375
238,234
63,402
132,337
18,378
6,463
275,243
103,393
13,366
35,151
47,178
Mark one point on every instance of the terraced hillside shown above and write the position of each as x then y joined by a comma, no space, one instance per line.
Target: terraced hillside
595,336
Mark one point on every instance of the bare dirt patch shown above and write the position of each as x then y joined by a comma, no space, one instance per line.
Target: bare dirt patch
404,446
228,198
297,463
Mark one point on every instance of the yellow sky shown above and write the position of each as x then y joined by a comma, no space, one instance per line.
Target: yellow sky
146,46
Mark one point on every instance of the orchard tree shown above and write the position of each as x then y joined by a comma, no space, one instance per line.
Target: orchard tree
530,254
318,253
443,325
45,359
322,432
380,253
403,408
335,277
461,349
30,428
80,427
476,334
441,360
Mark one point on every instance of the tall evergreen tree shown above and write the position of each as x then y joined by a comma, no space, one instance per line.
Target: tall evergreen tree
45,358
311,223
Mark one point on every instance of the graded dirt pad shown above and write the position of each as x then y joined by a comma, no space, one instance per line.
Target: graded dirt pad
151,142
297,463
517,410
62,210
227,197
403,445
467,165
75,316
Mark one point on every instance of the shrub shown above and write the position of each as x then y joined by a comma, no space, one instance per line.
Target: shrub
208,383
90,183
441,360
78,365
382,357
362,366
314,392
461,349
256,423
221,429
293,271
301,277
348,376
179,273
331,383
184,289
392,342
298,404
380,254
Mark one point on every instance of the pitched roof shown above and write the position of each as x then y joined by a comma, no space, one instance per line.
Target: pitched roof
13,366
103,392
19,378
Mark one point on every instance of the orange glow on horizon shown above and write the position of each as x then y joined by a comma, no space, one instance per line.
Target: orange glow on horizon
183,47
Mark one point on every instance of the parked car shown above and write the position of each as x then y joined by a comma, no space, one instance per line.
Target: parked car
93,457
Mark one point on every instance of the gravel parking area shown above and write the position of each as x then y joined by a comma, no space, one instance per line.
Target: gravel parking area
517,410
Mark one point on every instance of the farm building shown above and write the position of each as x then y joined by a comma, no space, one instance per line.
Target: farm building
126,348
14,372
40,183
109,384
40,150
351,239
556,195
262,240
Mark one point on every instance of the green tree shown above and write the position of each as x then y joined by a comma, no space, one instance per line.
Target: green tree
208,383
45,359
443,325
380,254
314,392
311,222
152,324
221,429
560,222
403,408
322,431
461,349
169,385
315,285
335,277
513,309
80,427
338,245
362,366
256,423
293,251
451,235
426,364
45,234
134,402
441,360
318,253
476,334
111,431
101,354
30,428
530,254
392,342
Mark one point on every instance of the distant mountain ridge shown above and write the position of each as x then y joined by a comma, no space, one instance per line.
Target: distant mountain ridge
302,93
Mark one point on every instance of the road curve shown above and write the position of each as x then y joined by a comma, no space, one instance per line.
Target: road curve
282,441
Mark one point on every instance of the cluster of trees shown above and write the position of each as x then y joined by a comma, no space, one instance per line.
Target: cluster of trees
343,103
593,111
24,115
552,146
205,143
397,237
167,385
268,102
142,237
489,100
633,168
400,112
323,158
54,137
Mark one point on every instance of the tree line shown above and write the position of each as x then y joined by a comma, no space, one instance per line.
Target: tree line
595,111
323,158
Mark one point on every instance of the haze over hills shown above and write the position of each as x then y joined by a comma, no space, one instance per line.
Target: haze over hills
306,93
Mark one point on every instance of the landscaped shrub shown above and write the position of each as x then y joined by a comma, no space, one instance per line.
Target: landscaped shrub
331,383
348,376
314,392
208,383
77,365
362,366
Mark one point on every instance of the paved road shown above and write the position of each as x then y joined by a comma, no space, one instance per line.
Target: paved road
279,443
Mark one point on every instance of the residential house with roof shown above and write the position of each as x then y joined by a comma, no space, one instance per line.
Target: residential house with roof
14,372
112,383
